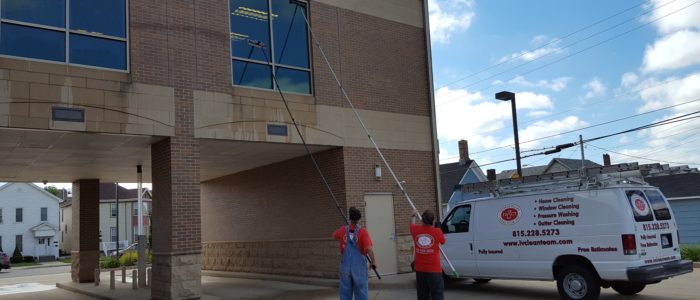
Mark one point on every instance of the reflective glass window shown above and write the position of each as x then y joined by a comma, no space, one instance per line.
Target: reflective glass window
32,42
252,74
290,34
249,21
107,17
43,12
295,81
93,51
658,204
280,27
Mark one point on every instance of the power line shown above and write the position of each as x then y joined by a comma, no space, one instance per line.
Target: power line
592,126
545,45
567,56
645,158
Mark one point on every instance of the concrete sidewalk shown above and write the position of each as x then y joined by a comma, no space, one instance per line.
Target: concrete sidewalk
220,285
43,265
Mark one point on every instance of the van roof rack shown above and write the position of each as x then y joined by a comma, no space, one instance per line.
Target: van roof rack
565,180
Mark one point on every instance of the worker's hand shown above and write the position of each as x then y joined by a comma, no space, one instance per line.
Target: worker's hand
373,266
415,213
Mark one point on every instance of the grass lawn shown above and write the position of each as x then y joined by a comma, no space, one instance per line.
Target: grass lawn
65,260
24,264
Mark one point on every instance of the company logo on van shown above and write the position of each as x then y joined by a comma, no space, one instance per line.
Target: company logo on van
640,206
509,214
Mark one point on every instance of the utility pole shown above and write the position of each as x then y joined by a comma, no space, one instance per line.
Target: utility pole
116,197
580,140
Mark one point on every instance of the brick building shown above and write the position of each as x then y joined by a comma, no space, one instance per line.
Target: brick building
91,89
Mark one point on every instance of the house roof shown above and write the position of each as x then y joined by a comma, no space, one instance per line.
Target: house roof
450,175
574,164
107,192
536,170
44,226
678,185
52,196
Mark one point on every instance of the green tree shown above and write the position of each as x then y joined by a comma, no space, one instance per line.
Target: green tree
54,190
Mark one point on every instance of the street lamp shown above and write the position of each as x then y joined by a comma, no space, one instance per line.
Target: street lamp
506,96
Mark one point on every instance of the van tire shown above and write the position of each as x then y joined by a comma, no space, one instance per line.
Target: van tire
481,280
628,288
578,283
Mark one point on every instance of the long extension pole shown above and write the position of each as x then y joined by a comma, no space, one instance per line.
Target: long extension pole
369,135
261,46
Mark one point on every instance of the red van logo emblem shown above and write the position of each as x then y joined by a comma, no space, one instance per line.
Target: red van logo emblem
639,205
509,214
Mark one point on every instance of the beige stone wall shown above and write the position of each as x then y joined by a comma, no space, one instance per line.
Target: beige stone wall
409,12
245,117
313,258
112,104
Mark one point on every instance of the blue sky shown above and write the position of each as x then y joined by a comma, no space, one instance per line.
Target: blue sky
572,64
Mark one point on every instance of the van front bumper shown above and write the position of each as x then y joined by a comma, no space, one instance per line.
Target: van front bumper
655,273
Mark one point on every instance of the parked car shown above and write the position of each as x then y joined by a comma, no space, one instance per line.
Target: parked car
4,261
131,247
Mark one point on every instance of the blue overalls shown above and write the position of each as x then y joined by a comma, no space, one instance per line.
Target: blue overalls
353,269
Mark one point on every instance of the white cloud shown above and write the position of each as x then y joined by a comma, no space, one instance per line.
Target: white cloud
545,128
556,85
595,88
530,55
629,79
656,95
528,100
677,50
682,15
539,113
448,17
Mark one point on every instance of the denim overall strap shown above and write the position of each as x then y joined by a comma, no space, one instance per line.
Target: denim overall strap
353,268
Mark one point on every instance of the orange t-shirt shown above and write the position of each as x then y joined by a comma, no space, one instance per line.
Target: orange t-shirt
363,239
426,240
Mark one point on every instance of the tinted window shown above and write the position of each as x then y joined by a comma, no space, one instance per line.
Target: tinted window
296,81
252,74
32,42
44,12
640,206
87,50
290,34
106,17
249,21
458,220
658,204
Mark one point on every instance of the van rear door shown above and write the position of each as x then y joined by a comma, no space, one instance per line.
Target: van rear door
656,235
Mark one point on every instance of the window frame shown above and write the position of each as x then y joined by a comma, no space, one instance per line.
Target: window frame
20,215
1,217
113,234
272,64
67,33
44,217
444,226
113,207
19,242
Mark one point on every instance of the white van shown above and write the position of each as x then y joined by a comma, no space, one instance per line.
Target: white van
602,228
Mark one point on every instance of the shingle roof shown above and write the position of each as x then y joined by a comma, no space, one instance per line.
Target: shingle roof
107,192
575,164
678,185
450,175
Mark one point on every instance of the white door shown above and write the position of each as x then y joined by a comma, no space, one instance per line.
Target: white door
459,242
379,217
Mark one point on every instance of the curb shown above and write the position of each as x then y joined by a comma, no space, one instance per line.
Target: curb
325,282
39,267
82,292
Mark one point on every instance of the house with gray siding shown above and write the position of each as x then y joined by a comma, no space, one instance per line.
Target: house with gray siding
683,194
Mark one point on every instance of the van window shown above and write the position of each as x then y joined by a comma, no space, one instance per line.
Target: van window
658,204
640,206
458,220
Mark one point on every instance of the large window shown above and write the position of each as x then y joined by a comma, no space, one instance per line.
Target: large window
281,28
18,215
0,216
18,242
113,234
77,32
113,210
458,220
44,214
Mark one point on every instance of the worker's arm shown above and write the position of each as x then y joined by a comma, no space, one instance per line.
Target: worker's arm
414,216
370,253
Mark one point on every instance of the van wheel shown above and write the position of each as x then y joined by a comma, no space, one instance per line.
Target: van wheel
481,280
578,283
628,288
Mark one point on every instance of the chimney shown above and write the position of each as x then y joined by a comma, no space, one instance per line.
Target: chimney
463,152
491,174
606,159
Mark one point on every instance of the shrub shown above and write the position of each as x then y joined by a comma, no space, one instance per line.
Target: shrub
16,257
129,258
691,253
108,262
28,259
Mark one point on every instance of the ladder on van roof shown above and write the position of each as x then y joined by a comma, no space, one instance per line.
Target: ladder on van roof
558,181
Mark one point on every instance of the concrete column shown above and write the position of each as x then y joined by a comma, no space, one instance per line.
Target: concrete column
177,242
85,254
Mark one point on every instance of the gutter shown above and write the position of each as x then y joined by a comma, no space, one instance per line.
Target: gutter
433,117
